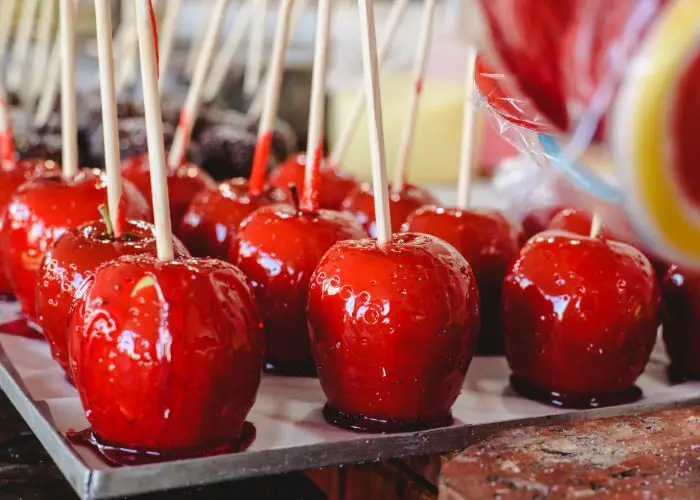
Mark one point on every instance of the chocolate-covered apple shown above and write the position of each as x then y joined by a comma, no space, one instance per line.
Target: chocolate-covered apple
394,327
225,152
489,242
580,319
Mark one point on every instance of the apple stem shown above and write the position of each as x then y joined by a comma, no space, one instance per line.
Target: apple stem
471,135
104,212
295,196
596,225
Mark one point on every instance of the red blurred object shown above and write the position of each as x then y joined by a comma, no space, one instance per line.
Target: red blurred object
538,219
489,242
70,261
393,329
580,320
167,356
681,316
278,248
41,211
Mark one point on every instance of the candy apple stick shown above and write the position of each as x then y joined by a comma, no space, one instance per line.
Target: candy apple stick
272,95
196,46
596,225
50,90
167,37
154,129
419,67
194,96
110,125
69,124
15,72
314,149
127,57
6,20
470,135
347,133
226,55
256,49
256,102
43,46
7,141
375,122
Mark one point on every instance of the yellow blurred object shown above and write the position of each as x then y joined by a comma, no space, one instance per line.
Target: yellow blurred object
436,150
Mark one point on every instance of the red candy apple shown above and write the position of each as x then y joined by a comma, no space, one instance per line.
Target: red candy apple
580,319
393,329
489,242
538,219
574,221
167,356
40,211
681,317
184,182
213,217
334,185
360,204
278,248
71,260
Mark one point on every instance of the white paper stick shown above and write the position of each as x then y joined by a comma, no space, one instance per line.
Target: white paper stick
257,101
419,67
193,100
375,122
20,49
49,92
110,124
596,225
128,52
317,111
226,55
69,123
347,133
6,23
41,52
470,134
154,132
196,46
167,37
256,49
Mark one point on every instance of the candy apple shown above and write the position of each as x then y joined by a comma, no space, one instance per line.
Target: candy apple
40,211
489,242
681,316
71,260
580,319
213,217
538,219
167,356
278,248
393,329
360,204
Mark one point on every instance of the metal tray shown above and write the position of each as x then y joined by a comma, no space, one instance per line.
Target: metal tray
291,433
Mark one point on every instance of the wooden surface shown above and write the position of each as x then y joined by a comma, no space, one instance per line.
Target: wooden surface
649,456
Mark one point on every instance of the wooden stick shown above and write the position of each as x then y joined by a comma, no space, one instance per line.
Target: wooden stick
226,55
196,46
272,95
419,67
470,133
41,51
347,133
7,141
69,123
6,23
256,103
154,131
110,124
50,90
256,49
126,70
189,112
375,122
596,225
15,72
167,37
314,149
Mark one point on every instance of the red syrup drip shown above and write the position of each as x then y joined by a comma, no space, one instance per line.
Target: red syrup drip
122,457
20,327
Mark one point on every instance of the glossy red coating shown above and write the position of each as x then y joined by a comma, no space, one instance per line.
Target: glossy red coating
538,219
681,320
42,210
184,183
575,221
490,242
580,316
334,185
166,356
259,169
278,248
70,261
13,175
212,219
360,204
393,330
